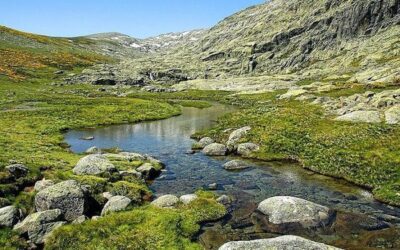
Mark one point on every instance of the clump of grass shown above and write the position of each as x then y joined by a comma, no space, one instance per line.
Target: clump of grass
142,228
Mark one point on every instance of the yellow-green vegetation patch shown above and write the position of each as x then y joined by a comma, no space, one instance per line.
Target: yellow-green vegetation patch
142,228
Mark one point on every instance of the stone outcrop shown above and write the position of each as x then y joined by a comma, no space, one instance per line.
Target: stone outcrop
284,212
115,204
215,149
188,198
39,225
67,196
236,136
9,216
246,149
203,143
166,201
17,170
361,116
235,165
94,165
288,242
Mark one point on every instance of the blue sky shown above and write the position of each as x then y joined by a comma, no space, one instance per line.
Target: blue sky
138,18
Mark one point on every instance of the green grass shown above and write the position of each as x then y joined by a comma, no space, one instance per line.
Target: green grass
143,228
361,153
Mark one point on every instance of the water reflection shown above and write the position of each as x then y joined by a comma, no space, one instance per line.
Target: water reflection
169,139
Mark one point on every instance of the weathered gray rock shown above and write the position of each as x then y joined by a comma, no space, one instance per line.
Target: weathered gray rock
188,198
287,242
115,204
67,196
93,150
40,185
9,216
131,172
224,200
361,116
166,201
235,165
236,136
148,171
215,149
17,170
203,143
288,210
93,165
39,225
392,115
245,149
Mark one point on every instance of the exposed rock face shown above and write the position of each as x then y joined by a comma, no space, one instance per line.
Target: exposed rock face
361,116
17,170
67,196
40,185
39,225
215,149
116,203
188,198
203,143
236,136
245,149
288,242
224,200
8,216
285,211
93,165
166,201
392,115
235,165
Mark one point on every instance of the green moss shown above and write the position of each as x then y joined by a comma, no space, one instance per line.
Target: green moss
135,190
9,240
142,228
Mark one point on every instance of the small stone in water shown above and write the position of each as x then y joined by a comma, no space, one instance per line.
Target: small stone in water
213,186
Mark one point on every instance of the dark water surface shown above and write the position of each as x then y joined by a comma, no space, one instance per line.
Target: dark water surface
169,139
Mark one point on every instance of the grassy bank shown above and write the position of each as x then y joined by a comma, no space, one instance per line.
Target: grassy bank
365,154
142,228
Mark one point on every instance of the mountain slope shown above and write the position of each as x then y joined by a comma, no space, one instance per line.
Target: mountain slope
286,42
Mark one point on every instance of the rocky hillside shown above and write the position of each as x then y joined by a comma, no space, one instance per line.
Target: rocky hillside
121,45
286,42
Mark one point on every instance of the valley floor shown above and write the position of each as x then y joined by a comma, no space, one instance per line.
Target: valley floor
34,115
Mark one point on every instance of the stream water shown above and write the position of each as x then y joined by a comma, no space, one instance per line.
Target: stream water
169,140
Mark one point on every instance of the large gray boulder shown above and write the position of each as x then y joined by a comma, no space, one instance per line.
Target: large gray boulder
203,143
236,136
215,149
43,184
115,204
9,216
17,170
287,242
39,225
235,165
286,210
166,201
67,196
361,116
93,165
246,149
392,115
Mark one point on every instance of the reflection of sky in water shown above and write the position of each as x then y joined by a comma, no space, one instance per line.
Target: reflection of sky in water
169,139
